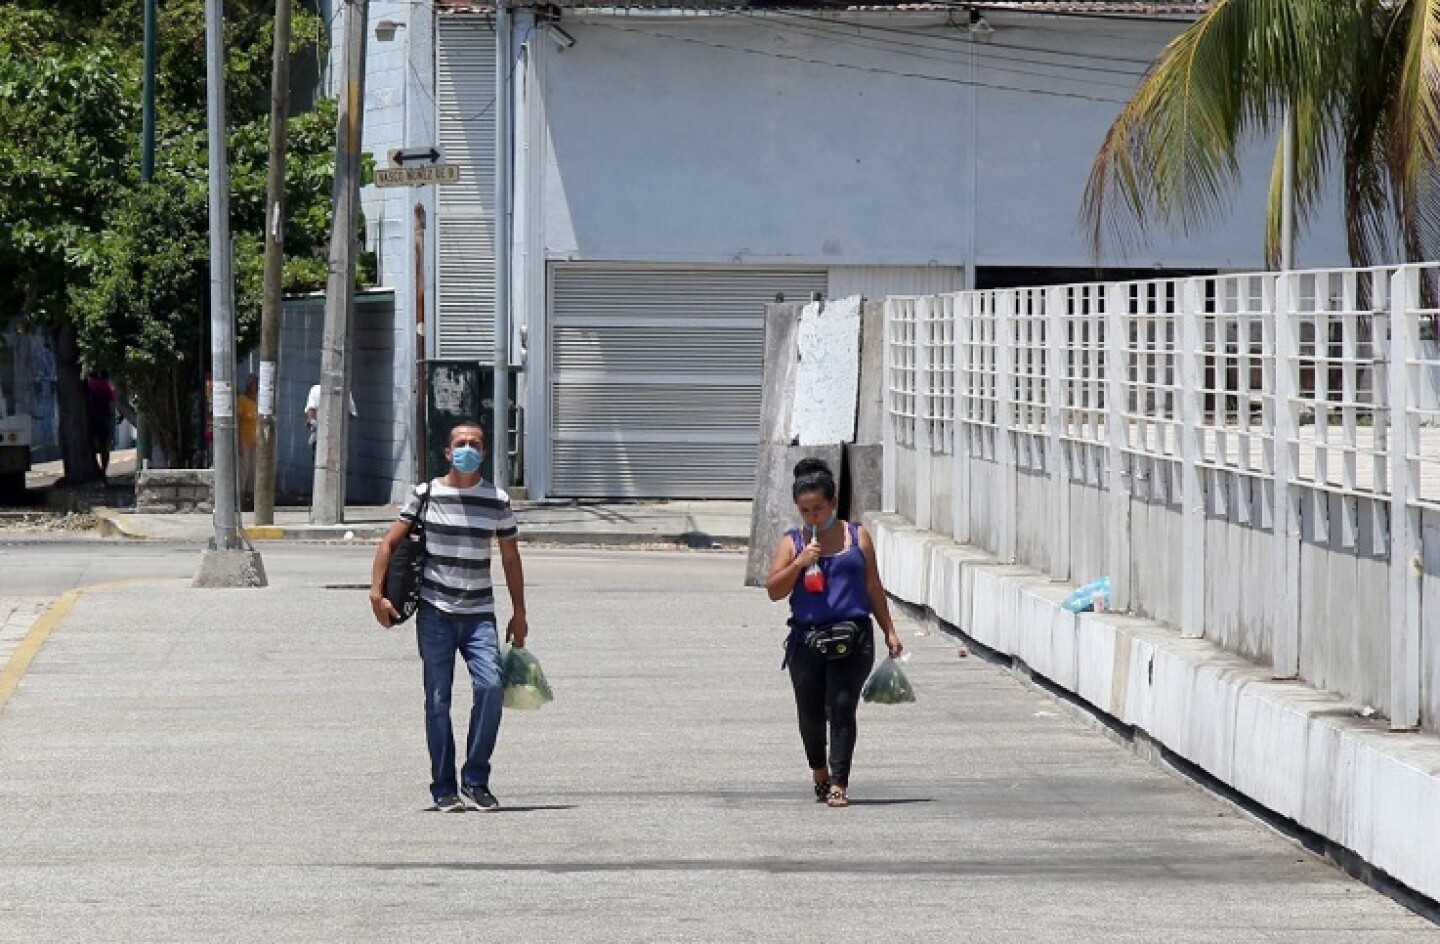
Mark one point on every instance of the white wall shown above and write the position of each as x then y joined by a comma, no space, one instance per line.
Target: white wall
786,139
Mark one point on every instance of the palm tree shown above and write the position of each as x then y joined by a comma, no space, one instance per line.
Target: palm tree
1363,80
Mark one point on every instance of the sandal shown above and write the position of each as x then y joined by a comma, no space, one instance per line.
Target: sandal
836,798
822,790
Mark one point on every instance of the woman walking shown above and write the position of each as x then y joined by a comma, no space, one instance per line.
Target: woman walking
830,576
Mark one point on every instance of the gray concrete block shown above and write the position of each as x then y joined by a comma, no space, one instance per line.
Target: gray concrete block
869,423
777,394
230,569
862,485
774,509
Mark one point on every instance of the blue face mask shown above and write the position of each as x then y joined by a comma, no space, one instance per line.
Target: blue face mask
466,459
829,523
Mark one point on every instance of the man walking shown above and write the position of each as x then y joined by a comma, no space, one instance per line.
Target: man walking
462,515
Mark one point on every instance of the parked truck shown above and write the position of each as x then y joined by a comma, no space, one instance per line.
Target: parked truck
16,428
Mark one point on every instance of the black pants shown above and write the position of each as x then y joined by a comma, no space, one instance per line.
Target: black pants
829,691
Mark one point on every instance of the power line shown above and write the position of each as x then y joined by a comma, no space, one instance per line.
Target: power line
987,47
905,48
919,76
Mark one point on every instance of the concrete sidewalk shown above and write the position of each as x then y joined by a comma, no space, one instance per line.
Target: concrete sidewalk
249,765
694,524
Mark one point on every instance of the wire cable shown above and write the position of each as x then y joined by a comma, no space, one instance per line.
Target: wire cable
957,54
918,76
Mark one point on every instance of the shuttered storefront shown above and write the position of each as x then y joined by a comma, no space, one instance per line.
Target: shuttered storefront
655,377
465,228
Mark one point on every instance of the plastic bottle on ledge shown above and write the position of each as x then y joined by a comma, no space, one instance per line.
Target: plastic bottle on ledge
1093,597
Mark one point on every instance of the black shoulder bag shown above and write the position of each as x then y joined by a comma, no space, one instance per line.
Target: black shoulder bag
407,565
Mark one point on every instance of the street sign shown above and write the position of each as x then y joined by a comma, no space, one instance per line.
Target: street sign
418,176
400,156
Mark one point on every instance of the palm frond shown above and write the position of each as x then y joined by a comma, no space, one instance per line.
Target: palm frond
1171,157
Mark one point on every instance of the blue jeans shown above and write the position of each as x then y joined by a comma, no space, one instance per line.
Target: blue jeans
441,635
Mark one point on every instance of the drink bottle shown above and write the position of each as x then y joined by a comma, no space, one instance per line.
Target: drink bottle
814,576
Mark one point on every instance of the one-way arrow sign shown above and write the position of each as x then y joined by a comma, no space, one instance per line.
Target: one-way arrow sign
399,156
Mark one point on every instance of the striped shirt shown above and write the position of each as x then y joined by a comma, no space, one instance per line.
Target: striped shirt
459,526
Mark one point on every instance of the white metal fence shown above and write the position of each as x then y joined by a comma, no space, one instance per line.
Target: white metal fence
1244,455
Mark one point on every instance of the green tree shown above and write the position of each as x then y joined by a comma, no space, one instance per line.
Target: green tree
1361,77
65,111
144,315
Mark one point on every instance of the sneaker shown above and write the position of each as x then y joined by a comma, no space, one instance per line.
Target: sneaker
481,797
450,803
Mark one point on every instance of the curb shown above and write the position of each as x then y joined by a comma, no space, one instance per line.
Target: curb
109,524
113,524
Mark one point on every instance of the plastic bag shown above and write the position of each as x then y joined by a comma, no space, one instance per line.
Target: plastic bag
524,680
888,685
1094,596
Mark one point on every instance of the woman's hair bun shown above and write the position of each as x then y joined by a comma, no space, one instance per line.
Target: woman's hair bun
811,466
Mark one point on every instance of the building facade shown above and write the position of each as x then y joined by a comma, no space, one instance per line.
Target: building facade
673,169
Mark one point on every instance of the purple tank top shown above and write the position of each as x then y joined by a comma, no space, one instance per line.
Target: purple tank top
845,596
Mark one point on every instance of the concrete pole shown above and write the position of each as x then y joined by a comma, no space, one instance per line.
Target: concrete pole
222,287
327,504
227,563
270,310
500,424
421,433
147,98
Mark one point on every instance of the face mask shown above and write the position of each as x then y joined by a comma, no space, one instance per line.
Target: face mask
829,523
466,459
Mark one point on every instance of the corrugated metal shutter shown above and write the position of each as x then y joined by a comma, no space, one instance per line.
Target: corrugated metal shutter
876,282
465,226
655,377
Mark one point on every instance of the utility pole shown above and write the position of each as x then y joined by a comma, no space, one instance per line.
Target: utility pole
327,505
500,424
226,563
147,98
270,310
422,438
147,169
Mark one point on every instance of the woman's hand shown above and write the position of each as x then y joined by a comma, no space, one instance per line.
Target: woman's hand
809,556
893,643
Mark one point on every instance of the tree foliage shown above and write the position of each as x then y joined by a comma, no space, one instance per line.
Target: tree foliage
144,316
1361,77
121,267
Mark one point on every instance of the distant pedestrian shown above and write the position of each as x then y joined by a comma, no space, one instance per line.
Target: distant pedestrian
247,427
463,515
100,417
312,412
831,578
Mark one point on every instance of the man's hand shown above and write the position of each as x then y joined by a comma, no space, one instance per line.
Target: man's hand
517,630
385,613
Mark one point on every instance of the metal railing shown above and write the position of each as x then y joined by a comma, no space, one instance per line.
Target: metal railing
1280,432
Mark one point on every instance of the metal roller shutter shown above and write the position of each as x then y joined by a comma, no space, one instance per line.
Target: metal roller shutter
465,225
655,377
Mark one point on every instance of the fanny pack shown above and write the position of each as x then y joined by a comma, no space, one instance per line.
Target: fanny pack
834,640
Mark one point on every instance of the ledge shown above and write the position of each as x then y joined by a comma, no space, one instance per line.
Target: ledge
1303,754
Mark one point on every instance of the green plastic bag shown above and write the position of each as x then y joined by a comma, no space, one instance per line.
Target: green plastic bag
524,680
888,685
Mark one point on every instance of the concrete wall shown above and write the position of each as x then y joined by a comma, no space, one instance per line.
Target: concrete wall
824,150
1343,578
379,436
